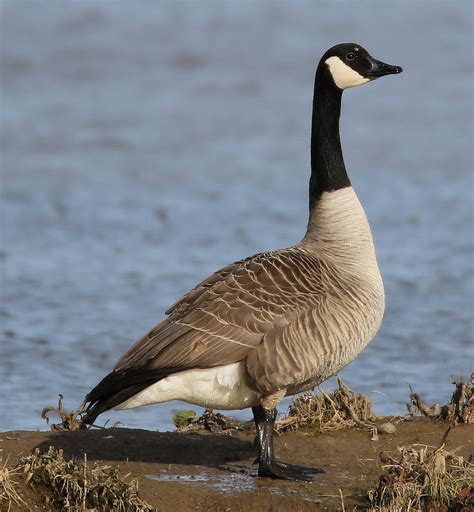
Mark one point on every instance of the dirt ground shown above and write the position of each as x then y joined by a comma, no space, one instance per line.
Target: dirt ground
210,472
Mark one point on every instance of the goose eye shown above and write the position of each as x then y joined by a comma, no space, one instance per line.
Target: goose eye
350,56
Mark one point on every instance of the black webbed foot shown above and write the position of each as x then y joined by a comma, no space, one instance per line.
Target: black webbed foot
296,467
285,471
305,469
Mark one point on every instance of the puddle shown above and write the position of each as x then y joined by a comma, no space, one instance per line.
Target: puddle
235,482
165,477
230,482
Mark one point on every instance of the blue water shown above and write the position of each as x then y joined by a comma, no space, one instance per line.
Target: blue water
145,145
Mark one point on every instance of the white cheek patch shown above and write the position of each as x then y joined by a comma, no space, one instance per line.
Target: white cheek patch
343,75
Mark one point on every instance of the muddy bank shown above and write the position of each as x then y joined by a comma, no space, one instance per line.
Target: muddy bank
214,472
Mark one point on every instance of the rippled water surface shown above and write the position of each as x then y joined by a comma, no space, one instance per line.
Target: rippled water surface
145,145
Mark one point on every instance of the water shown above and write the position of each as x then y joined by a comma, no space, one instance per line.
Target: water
230,483
145,145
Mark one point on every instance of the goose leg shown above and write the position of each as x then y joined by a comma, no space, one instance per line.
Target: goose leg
267,464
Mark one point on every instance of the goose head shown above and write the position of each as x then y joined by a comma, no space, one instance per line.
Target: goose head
350,65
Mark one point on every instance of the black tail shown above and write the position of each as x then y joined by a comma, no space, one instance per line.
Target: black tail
115,388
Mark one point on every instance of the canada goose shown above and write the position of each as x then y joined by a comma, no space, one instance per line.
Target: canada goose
279,322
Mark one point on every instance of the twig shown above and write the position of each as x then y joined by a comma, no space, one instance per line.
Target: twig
356,419
444,438
84,497
422,407
342,500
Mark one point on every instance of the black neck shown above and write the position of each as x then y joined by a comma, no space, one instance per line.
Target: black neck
327,163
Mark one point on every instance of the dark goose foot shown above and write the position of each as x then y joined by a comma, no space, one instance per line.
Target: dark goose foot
268,466
284,471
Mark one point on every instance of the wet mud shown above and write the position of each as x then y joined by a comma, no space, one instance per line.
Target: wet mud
215,472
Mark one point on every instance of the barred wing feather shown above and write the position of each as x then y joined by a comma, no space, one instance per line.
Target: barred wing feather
226,316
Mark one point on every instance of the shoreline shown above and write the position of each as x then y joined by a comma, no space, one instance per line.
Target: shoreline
206,471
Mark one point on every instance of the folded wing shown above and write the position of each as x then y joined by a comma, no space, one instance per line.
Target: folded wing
220,321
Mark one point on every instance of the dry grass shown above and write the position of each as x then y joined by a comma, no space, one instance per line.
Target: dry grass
76,486
8,493
424,478
338,409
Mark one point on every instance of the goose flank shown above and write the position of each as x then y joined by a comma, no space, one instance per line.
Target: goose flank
279,322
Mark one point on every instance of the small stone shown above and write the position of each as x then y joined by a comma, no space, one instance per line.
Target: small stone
387,428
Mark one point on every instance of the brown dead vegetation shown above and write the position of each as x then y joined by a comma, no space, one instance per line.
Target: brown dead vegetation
424,478
8,488
338,409
460,408
76,486
69,420
209,420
